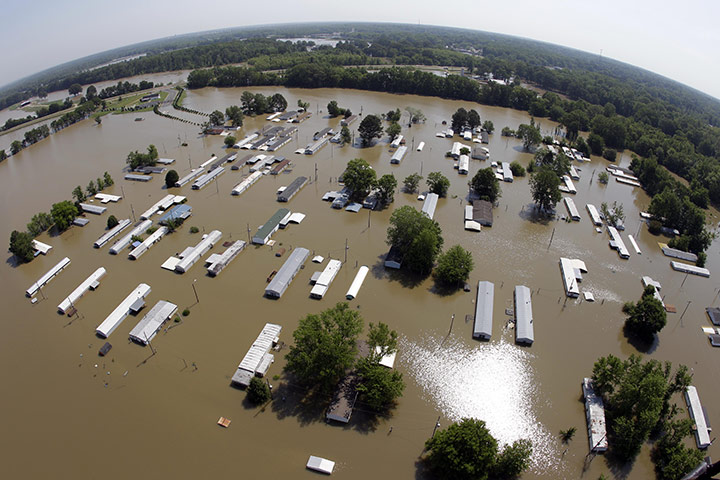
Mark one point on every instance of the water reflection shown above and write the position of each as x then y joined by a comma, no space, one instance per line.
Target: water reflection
494,382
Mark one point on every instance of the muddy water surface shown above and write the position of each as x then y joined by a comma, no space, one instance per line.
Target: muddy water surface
156,414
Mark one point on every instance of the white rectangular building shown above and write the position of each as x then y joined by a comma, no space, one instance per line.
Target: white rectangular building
250,363
594,215
116,317
397,157
326,277
198,251
151,240
226,257
150,324
482,326
595,417
60,266
86,285
122,225
430,204
524,330
357,283
125,241
571,208
696,411
281,281
507,172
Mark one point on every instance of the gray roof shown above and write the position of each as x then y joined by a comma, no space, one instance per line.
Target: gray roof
146,328
271,225
524,331
482,212
287,272
482,327
254,356
714,314
292,189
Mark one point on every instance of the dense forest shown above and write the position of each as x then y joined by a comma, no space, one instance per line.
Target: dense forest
620,105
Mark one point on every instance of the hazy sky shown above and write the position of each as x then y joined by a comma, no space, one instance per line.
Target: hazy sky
678,40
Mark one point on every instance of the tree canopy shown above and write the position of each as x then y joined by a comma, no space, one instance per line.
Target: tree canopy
646,317
529,134
21,246
438,183
324,347
544,187
411,182
467,451
63,213
359,177
137,160
370,128
171,177
454,266
486,185
637,399
417,238
386,186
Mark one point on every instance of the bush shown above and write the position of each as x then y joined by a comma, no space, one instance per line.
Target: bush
702,258
194,229
258,392
603,177
517,169
112,222
454,266
170,178
655,227
185,312
610,154
230,141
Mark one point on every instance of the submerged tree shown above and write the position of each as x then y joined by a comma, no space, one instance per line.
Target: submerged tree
324,347
646,317
370,128
454,266
544,187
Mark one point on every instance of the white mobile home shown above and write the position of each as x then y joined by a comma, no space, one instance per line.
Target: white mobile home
482,327
287,272
524,328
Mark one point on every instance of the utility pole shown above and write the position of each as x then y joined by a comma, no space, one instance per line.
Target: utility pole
133,212
248,230
197,299
346,249
551,238
686,307
437,425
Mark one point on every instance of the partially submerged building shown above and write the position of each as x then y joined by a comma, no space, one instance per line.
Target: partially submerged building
198,251
49,275
292,189
357,283
150,324
524,330
482,326
595,417
322,284
430,204
222,260
122,224
272,225
257,360
90,283
132,303
697,413
281,281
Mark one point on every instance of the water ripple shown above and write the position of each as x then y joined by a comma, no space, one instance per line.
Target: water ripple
493,382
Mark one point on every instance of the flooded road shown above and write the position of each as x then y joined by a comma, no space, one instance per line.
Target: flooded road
157,414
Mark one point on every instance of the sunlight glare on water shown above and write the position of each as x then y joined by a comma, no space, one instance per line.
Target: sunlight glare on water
493,382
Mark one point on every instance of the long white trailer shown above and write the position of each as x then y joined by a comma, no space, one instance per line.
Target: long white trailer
357,283
200,249
75,295
247,183
151,240
186,179
149,325
326,277
226,257
594,215
122,225
30,292
125,241
116,317
207,178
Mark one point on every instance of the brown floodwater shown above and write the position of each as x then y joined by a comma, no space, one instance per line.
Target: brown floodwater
69,413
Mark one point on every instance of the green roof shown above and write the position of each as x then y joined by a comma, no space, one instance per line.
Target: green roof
272,223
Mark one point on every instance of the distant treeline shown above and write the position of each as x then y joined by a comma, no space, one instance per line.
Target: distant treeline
42,112
677,152
626,106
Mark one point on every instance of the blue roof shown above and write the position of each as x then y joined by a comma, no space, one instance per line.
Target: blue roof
177,212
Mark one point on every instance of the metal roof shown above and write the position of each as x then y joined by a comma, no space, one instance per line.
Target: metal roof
287,272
